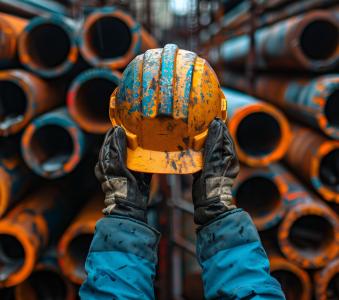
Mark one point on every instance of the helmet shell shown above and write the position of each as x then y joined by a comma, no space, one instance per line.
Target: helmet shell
165,102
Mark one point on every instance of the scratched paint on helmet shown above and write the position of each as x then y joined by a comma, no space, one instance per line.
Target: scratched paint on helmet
150,82
166,79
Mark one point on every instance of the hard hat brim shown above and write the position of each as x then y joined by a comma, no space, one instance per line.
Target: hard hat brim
177,162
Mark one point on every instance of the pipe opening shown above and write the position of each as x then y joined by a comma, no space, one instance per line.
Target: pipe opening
109,37
329,170
290,284
259,196
311,233
45,284
332,109
333,288
92,100
77,250
319,40
48,45
52,146
258,134
12,255
13,104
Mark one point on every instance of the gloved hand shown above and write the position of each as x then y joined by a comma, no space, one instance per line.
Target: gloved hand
212,193
126,191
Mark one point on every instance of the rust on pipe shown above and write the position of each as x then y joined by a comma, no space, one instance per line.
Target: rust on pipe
327,282
47,46
30,226
309,42
315,159
111,38
22,97
75,242
309,233
53,144
261,132
10,29
314,102
15,180
45,282
261,192
294,281
88,99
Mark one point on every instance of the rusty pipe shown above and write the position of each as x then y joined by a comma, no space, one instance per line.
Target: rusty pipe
32,8
294,281
309,233
15,181
315,159
10,29
327,282
309,42
111,38
261,132
262,193
47,46
75,242
45,282
29,227
311,101
53,144
88,99
23,96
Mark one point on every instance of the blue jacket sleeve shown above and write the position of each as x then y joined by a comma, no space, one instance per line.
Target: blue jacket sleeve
121,261
234,263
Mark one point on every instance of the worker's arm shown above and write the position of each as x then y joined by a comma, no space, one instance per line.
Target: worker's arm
229,250
122,260
234,263
123,254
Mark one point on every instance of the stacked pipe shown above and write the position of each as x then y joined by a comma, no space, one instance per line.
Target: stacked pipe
281,104
56,77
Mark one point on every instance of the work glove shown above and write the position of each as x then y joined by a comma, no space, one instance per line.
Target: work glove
212,186
126,191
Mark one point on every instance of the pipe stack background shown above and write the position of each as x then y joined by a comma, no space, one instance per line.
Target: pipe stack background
57,71
280,73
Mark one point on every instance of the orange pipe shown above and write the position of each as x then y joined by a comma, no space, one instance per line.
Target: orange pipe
23,96
88,98
47,46
309,233
327,282
111,38
28,228
261,192
10,29
261,132
75,242
15,180
45,282
315,159
294,281
313,101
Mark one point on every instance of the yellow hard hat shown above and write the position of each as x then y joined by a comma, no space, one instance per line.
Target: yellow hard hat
165,102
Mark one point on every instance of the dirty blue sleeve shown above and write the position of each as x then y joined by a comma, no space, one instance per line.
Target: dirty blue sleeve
234,263
122,260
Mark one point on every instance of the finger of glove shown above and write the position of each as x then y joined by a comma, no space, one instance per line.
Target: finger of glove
214,152
232,163
102,162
